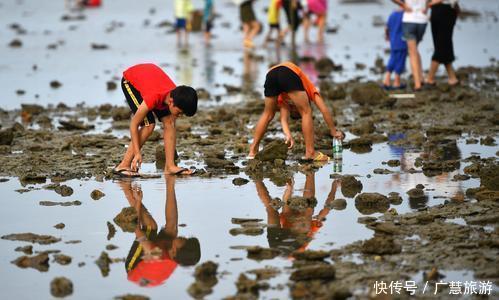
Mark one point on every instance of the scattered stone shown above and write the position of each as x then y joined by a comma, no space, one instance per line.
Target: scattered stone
274,150
111,85
369,203
26,249
461,177
39,262
96,194
32,238
239,181
16,43
247,288
382,171
61,287
381,246
64,190
395,198
488,141
252,231
416,193
393,163
103,263
265,273
338,204
96,46
301,203
74,125
245,220
489,177
6,137
53,203
55,84
131,297
59,226
350,186
314,272
371,94
62,259
127,219
111,230
366,127
259,253
310,255
111,247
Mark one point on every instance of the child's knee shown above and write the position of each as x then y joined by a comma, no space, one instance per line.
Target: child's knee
149,129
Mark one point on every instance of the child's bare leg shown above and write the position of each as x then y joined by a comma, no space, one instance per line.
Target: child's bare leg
178,37
263,194
386,81
267,116
300,99
414,59
306,27
144,133
322,27
452,74
432,72
255,27
246,29
396,81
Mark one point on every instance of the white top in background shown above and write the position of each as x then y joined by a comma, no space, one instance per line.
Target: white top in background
416,15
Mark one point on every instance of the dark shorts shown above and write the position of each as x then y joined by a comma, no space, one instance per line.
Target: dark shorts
208,25
413,31
276,26
397,61
281,80
134,99
247,13
181,23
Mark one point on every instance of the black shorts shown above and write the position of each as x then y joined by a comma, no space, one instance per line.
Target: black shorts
276,26
281,80
246,12
208,25
134,99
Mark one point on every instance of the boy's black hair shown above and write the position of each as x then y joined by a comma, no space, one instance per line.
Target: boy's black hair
190,253
185,98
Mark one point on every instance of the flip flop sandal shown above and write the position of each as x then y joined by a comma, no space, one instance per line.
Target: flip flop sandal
121,173
250,157
321,157
179,172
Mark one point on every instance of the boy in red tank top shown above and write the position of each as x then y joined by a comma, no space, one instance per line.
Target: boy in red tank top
152,95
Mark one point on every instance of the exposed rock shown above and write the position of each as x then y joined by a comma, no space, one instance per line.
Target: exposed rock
74,125
32,238
111,230
244,220
39,262
382,171
338,204
247,231
368,203
248,287
127,219
393,163
381,246
62,259
59,226
64,190
395,198
265,273
6,136
350,186
26,249
371,94
61,287
239,181
131,297
259,253
489,177
53,203
103,263
301,203
310,255
366,127
96,194
314,272
274,150
416,193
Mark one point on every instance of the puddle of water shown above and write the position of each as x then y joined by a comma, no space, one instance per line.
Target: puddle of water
205,207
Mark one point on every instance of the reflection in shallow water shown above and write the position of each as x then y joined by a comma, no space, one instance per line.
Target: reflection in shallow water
156,252
291,222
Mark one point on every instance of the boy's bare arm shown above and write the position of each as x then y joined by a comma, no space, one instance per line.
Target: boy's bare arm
284,110
138,117
328,117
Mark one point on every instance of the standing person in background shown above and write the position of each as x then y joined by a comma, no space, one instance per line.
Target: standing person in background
251,26
398,50
182,10
319,9
443,19
292,9
208,16
414,25
273,19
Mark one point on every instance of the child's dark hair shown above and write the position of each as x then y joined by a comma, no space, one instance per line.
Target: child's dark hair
185,98
190,253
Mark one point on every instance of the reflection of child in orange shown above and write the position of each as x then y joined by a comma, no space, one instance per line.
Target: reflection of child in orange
154,255
293,229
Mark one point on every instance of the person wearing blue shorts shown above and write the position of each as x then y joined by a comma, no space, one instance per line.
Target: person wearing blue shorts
398,50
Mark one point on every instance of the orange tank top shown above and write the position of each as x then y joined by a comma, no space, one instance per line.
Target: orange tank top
309,87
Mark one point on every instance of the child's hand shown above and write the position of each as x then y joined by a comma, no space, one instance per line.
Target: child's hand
136,162
407,8
338,134
289,141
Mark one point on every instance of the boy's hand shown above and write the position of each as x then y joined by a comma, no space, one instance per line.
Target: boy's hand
136,162
289,141
338,134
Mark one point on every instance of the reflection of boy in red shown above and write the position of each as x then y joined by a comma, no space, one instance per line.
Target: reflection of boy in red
293,229
154,255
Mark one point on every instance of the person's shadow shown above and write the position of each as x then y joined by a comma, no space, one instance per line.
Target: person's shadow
291,224
155,253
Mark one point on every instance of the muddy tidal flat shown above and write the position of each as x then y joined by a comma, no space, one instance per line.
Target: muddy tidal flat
411,210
